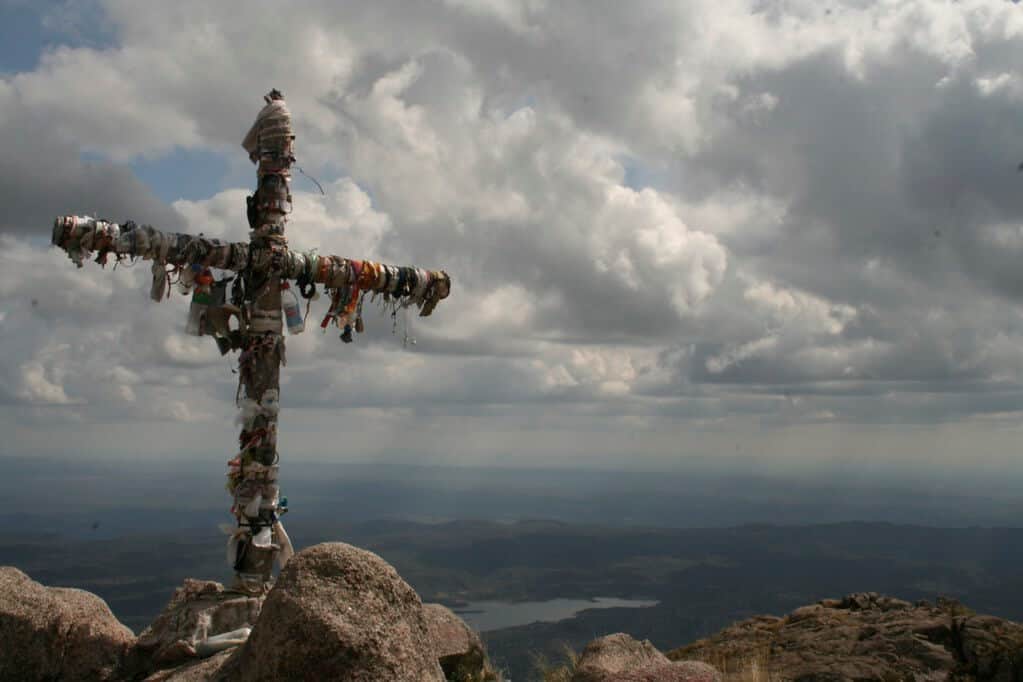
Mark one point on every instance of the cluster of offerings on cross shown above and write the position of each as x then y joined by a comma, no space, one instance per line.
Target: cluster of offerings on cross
245,309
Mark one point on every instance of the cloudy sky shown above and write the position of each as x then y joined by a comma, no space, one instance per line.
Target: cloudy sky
772,233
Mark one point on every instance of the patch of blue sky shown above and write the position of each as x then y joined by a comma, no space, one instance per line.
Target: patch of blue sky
192,174
640,176
180,174
22,37
369,193
330,171
30,27
509,104
527,101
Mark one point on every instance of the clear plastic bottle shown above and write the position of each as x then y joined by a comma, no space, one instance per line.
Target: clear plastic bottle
292,309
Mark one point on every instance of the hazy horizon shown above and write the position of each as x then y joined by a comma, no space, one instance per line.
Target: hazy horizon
87,499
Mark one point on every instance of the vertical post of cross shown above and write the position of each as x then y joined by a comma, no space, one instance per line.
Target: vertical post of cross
252,477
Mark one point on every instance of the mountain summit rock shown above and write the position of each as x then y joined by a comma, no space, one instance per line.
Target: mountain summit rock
56,633
339,608
868,636
336,612
620,658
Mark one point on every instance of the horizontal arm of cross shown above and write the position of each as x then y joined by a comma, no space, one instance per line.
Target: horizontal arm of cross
82,236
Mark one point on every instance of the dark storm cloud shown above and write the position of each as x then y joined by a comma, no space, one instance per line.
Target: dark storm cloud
45,176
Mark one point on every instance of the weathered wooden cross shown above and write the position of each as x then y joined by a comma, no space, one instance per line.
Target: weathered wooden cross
250,319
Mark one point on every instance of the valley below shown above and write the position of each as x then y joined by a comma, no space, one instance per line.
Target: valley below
539,588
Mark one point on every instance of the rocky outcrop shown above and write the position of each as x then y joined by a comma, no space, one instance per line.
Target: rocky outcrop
620,658
54,633
219,666
989,648
335,612
338,608
457,647
867,636
198,609
338,612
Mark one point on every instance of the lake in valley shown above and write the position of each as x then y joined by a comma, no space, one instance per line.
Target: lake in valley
494,615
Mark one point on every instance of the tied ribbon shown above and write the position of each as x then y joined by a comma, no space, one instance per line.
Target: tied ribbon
353,296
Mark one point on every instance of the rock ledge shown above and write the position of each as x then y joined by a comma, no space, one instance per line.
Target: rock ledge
868,636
